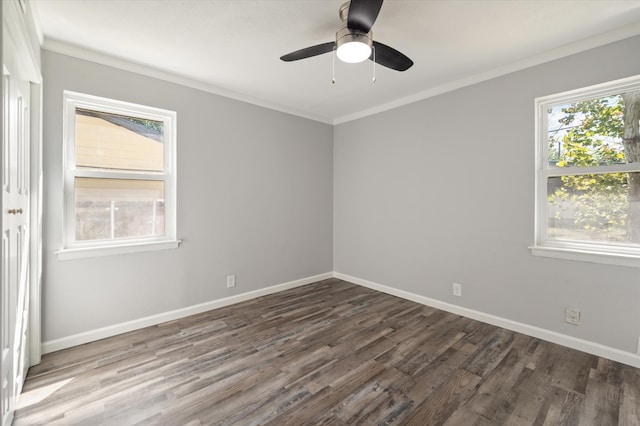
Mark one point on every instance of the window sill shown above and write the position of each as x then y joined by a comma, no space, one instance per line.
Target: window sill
85,252
587,255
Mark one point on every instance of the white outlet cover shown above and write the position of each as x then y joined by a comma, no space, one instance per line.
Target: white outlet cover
457,289
231,281
572,316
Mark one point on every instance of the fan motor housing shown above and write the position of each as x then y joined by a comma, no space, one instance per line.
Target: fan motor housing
346,35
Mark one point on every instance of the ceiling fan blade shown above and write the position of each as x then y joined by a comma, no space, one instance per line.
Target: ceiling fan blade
308,52
362,14
390,57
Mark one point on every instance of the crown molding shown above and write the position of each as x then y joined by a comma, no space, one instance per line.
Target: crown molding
75,51
548,56
57,46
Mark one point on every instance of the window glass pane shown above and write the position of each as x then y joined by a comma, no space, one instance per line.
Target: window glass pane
109,209
587,133
594,208
110,141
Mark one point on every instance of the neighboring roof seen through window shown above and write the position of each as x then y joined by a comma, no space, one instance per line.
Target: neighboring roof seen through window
148,128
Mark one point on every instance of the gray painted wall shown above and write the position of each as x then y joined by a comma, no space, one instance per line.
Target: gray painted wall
442,191
405,194
254,199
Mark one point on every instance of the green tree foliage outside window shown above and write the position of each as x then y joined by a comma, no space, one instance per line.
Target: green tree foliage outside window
592,207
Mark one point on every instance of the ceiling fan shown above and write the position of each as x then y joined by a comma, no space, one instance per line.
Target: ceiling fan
354,42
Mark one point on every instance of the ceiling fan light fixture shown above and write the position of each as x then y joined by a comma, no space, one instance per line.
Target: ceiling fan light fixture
353,46
354,41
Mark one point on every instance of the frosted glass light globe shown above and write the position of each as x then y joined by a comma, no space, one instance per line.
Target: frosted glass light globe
353,52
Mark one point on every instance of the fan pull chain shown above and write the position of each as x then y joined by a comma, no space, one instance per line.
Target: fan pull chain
374,63
333,78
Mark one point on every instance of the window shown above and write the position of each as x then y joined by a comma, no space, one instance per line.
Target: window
119,177
588,174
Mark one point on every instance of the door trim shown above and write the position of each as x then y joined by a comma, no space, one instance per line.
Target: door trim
35,255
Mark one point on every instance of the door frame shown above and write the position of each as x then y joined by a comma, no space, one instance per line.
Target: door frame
35,231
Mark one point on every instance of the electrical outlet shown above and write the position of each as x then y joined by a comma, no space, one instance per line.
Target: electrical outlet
457,289
231,281
572,316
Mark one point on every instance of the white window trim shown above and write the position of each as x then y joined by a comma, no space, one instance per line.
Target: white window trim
72,249
580,251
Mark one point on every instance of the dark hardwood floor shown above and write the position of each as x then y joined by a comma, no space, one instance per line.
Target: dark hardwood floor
327,353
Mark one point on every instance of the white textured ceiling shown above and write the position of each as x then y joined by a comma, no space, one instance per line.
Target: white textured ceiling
233,47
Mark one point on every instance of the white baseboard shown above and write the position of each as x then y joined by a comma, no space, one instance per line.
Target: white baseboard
112,330
593,348
530,330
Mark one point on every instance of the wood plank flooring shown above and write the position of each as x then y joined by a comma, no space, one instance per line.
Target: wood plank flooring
327,353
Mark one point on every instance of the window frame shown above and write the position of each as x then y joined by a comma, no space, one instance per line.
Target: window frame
623,255
72,248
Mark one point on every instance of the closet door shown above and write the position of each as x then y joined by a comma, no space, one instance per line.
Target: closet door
15,230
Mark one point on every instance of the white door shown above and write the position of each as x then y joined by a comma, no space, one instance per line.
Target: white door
15,233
